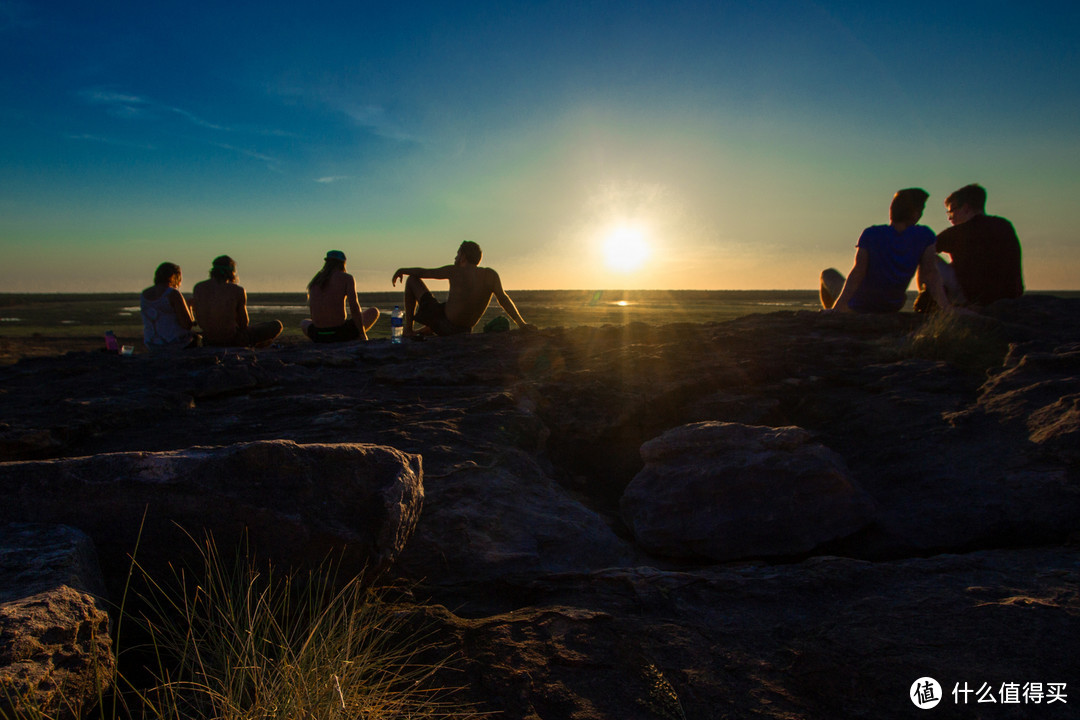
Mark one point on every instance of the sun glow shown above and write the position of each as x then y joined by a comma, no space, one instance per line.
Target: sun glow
626,248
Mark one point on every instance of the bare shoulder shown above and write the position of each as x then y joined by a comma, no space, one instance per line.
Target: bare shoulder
334,284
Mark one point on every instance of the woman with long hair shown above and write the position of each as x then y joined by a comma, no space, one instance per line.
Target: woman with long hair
329,292
167,319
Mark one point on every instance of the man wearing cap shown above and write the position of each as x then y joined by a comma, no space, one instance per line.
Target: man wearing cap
328,294
220,307
471,289
886,259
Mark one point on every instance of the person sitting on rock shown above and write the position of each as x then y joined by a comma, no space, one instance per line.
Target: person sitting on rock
885,261
221,310
471,289
328,293
166,317
985,251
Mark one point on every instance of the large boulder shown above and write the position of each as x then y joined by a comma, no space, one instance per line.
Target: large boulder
55,648
724,491
503,523
295,504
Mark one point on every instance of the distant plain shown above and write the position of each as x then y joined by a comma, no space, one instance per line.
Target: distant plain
42,324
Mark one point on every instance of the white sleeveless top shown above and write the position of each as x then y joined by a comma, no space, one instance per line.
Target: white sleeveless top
160,326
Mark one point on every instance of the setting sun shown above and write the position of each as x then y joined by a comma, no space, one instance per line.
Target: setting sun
625,248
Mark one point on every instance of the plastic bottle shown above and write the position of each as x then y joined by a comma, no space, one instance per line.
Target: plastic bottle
397,325
111,344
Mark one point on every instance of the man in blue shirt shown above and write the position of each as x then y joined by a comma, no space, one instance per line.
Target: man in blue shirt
885,261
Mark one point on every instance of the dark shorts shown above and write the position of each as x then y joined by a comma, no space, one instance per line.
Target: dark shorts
432,313
254,334
341,333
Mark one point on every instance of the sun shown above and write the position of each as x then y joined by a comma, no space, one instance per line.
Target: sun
626,248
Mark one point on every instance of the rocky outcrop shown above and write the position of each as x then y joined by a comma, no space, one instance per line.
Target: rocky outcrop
55,649
295,504
725,491
962,437
822,639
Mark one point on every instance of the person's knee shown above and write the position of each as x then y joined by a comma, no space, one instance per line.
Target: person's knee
832,284
830,276
370,315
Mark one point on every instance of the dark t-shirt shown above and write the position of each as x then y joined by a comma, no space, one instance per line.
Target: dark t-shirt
986,257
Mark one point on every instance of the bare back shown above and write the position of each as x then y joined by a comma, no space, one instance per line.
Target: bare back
220,309
328,304
471,288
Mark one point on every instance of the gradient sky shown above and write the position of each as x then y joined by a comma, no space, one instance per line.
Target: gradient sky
746,144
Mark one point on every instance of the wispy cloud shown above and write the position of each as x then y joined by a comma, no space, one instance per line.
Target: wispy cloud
137,107
109,141
271,162
127,105
118,104
196,120
377,121
371,117
332,179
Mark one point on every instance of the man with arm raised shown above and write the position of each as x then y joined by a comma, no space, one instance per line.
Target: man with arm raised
471,289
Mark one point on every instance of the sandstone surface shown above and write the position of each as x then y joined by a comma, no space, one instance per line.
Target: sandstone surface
294,504
727,491
962,436
55,647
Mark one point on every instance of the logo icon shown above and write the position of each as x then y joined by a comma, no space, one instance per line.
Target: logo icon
925,693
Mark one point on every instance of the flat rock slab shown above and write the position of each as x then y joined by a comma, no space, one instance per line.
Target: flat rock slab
826,638
55,648
295,504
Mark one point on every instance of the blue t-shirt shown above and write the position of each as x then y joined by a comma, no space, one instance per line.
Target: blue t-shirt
893,258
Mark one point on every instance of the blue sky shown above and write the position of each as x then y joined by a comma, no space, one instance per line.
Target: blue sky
740,145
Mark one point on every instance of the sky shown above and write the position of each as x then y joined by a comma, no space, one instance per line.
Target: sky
585,145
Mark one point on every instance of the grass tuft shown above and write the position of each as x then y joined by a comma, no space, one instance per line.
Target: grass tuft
233,639
969,342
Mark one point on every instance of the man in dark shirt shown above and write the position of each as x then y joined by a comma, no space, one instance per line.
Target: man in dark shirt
985,254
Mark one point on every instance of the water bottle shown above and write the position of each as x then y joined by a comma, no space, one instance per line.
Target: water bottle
111,344
397,325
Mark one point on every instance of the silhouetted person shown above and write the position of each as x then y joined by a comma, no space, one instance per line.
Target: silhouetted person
221,310
165,314
328,294
887,258
471,289
985,252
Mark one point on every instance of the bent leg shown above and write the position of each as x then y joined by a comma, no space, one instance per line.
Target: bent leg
369,316
832,284
947,273
262,334
414,290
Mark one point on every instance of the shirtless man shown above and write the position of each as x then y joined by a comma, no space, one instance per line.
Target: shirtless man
471,288
328,293
221,310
